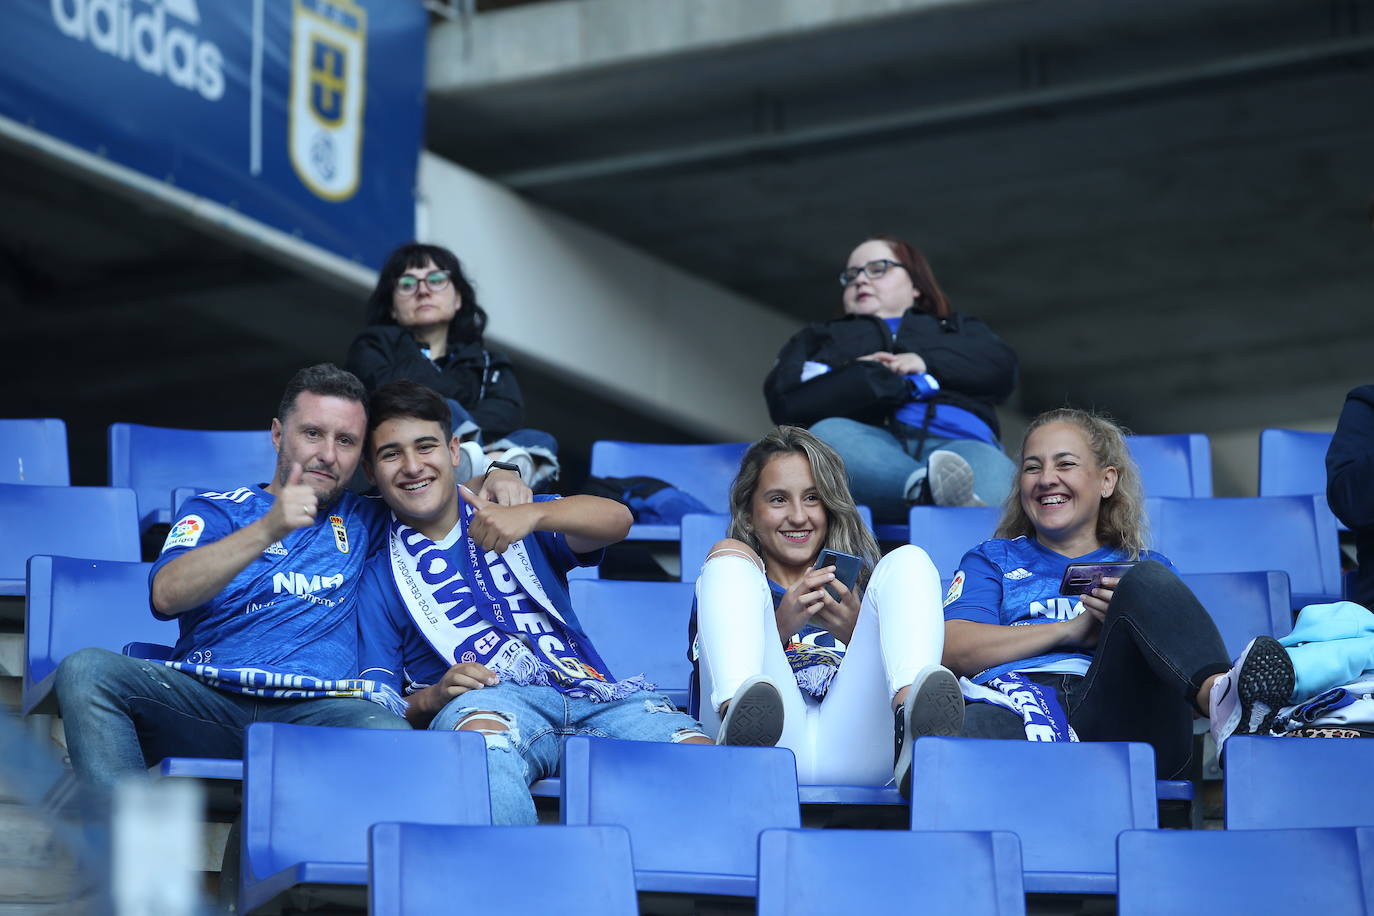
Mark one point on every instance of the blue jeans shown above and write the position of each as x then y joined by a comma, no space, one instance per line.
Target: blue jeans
885,470
122,714
538,718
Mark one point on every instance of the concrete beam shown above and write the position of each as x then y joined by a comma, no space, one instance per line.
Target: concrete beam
543,39
602,313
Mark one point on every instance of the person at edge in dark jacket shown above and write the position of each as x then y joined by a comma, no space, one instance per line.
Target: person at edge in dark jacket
901,386
1350,483
424,324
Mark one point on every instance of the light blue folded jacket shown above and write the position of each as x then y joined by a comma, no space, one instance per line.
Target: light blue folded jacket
1331,645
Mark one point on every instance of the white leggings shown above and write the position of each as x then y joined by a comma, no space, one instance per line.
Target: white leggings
847,739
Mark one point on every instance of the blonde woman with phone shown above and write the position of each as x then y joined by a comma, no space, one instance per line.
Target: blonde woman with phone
1065,627
803,637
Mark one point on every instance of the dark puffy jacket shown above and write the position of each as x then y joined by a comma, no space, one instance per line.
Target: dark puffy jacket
1350,482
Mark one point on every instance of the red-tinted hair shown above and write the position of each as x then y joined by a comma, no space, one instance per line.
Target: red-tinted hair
932,299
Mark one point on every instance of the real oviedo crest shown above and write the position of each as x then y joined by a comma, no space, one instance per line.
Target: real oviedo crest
328,44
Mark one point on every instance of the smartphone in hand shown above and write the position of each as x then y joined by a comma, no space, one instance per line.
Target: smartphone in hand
1080,577
846,568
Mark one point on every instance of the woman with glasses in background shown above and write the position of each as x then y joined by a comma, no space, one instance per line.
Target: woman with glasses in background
424,324
901,386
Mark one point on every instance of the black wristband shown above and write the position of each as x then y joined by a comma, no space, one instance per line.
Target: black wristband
502,466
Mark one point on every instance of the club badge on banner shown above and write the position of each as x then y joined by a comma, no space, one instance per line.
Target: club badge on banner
328,56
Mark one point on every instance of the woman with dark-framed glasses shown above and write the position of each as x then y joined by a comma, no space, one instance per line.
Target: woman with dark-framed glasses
424,324
901,386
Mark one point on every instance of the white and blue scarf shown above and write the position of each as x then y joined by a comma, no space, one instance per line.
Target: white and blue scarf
277,685
486,633
1037,705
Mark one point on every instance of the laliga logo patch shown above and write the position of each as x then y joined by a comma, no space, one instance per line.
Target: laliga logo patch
185,533
956,588
328,41
340,533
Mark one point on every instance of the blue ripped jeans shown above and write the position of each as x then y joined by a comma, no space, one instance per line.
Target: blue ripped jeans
538,718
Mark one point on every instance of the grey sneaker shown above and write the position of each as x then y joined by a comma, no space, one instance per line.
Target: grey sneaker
950,479
934,706
754,717
521,459
1245,699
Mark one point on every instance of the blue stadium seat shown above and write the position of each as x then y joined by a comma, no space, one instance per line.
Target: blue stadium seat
34,452
1295,534
1244,604
425,868
639,628
694,813
1292,462
155,460
310,794
75,604
1245,871
97,523
703,470
1173,465
699,532
1275,782
949,532
822,872
1066,801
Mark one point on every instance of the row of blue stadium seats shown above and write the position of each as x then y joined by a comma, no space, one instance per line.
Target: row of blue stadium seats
155,460
694,814
74,603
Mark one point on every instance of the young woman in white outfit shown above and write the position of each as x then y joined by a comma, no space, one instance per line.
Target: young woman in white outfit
846,683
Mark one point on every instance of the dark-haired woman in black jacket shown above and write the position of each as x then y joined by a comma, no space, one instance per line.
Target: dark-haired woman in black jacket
424,324
901,386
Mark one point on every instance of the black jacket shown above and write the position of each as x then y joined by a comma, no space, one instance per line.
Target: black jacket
1350,482
975,368
481,380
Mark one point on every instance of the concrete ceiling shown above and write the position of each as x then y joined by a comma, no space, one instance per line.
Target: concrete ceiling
1162,206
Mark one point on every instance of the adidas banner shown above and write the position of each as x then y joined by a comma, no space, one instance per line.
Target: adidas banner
306,115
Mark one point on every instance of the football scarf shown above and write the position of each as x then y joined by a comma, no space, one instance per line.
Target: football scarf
1037,705
275,685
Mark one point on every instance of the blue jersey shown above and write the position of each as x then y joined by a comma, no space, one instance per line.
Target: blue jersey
1016,583
290,610
393,651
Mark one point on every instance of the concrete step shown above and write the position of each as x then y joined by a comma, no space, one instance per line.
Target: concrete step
12,654
34,868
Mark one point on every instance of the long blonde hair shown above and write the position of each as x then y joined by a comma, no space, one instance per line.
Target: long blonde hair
1121,517
845,529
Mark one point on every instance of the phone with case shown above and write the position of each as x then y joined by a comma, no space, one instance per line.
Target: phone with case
846,568
1079,577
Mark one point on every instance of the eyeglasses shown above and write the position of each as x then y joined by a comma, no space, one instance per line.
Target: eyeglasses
873,270
407,284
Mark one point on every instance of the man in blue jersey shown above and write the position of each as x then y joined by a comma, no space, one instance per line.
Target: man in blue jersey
467,608
263,583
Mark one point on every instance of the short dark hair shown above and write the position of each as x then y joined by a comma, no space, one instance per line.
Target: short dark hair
468,323
404,398
326,380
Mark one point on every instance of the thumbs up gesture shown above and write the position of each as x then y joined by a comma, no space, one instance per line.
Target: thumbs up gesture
495,527
295,507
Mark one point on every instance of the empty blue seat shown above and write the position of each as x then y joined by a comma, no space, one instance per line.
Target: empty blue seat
34,452
822,872
1295,534
703,470
1244,604
424,868
1173,465
639,628
155,460
1292,462
75,604
1066,801
97,523
1256,872
699,532
310,794
694,813
1275,782
949,532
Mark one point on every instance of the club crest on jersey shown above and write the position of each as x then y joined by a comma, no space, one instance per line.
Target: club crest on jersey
185,533
340,532
328,45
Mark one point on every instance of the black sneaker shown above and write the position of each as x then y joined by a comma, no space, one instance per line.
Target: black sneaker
1245,699
755,715
934,706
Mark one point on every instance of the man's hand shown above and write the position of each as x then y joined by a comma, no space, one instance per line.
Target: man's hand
295,506
502,487
495,527
457,680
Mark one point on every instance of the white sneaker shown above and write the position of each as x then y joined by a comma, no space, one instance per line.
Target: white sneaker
1245,699
755,715
934,706
951,479
521,459
472,461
